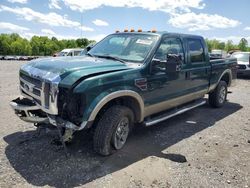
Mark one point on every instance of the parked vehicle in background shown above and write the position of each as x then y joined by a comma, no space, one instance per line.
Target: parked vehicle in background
31,57
71,52
127,79
18,58
230,52
243,61
23,58
218,54
9,57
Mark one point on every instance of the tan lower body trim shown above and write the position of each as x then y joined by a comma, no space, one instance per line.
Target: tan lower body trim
155,108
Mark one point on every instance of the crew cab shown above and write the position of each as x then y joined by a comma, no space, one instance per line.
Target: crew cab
127,79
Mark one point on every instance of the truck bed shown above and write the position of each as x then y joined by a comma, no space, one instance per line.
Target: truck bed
218,66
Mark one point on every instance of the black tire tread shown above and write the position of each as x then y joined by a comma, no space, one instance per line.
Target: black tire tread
213,96
105,128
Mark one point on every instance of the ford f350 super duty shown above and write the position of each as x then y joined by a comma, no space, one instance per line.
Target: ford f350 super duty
126,79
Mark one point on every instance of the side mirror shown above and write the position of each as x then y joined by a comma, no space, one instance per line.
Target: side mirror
88,48
174,63
174,57
158,66
171,65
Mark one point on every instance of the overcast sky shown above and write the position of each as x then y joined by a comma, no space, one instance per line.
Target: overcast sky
94,19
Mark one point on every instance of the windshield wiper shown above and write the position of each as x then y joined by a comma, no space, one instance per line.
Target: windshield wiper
110,57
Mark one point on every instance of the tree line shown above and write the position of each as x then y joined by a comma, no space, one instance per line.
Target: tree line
228,46
14,44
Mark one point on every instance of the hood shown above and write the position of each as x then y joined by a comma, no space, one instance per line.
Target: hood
67,70
64,64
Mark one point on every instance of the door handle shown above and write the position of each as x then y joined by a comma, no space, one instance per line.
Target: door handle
188,75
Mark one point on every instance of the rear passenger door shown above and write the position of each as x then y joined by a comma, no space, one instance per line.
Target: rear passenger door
198,65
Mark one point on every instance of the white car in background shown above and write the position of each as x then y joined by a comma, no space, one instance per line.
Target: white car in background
71,52
243,60
218,54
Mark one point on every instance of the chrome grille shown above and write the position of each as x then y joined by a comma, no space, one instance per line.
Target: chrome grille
38,91
242,66
30,88
31,80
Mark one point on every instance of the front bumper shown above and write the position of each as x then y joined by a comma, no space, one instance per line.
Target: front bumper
243,72
28,111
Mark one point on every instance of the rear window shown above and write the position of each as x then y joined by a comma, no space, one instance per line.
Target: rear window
196,51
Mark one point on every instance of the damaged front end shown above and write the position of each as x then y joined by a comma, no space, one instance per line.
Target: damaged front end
39,104
39,90
28,111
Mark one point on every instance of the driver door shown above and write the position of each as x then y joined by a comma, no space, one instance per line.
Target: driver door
164,87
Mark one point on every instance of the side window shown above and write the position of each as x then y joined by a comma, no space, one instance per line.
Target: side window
70,54
169,46
77,53
196,51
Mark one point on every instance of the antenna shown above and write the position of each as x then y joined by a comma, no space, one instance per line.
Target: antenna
81,24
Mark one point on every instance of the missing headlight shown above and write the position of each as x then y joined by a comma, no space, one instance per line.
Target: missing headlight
71,106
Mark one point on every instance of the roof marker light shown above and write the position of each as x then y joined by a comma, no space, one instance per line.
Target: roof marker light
139,30
125,30
132,30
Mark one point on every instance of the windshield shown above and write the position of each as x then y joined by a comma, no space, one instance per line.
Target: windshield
62,54
241,56
127,47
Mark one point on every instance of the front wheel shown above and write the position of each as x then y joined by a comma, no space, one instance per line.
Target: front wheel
113,129
218,97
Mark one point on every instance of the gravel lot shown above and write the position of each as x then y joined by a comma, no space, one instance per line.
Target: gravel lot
204,147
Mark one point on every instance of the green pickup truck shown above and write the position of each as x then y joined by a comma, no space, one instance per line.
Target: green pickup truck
126,79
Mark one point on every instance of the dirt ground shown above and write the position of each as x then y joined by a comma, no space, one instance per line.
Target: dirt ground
204,147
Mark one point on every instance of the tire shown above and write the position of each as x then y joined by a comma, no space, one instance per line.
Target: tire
218,97
112,129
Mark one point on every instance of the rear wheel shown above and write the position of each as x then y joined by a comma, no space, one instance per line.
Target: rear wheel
218,97
113,129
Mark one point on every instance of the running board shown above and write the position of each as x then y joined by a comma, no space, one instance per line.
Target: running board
174,112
